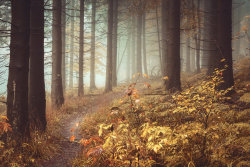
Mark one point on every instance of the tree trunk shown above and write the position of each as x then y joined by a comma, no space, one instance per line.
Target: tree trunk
56,86
81,50
17,95
159,40
133,43
72,36
173,51
139,43
108,85
129,50
210,35
92,58
63,44
144,44
197,39
164,31
224,41
37,99
114,46
188,68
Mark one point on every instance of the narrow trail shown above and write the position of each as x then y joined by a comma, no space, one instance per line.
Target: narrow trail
70,150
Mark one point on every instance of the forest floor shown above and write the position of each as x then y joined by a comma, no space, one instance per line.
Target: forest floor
70,130
141,124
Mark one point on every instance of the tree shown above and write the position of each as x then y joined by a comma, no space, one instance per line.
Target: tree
72,36
108,85
92,58
81,43
133,43
188,58
129,32
224,41
144,44
17,88
172,56
139,42
210,35
64,44
198,38
114,45
159,40
56,86
37,99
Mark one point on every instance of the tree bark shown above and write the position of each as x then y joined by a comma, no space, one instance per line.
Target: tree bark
133,43
188,68
159,40
81,50
92,58
17,88
129,50
37,99
139,44
210,35
56,86
173,51
144,44
72,36
64,44
197,39
164,33
224,41
114,46
108,85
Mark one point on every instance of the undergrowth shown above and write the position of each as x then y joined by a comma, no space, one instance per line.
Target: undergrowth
199,126
39,147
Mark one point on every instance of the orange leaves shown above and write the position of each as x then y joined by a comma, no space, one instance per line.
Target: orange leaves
86,142
147,85
244,28
4,126
145,76
94,151
72,138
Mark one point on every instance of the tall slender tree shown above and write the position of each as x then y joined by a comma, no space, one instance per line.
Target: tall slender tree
72,37
92,58
144,44
210,35
108,85
64,44
198,38
224,41
17,95
188,58
56,86
159,40
81,50
37,99
114,45
172,58
133,43
139,43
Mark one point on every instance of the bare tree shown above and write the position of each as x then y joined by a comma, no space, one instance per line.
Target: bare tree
108,85
72,36
56,86
114,45
81,46
37,99
17,96
92,58
172,56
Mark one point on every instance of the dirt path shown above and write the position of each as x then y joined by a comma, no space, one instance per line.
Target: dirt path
71,149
